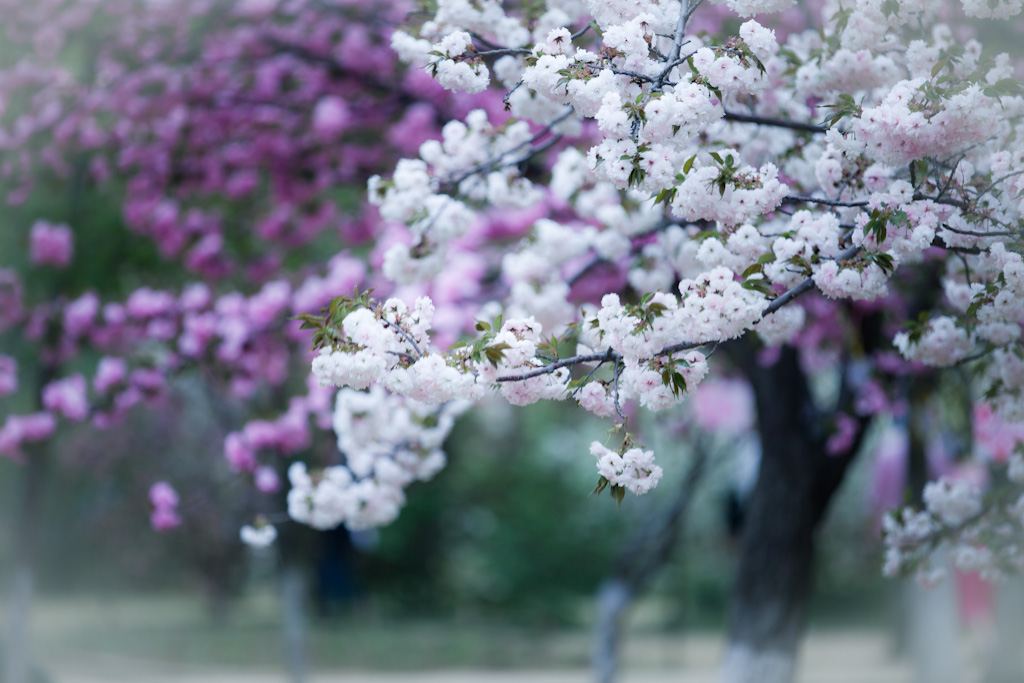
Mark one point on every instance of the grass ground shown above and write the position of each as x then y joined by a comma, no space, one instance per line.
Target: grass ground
171,640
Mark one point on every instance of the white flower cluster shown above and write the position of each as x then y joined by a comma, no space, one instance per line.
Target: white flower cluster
259,536
992,9
454,73
781,326
810,235
518,339
648,384
952,502
729,73
661,14
857,280
374,343
759,39
475,157
708,193
388,442
903,534
749,8
942,344
713,307
998,312
979,539
904,239
1006,372
633,470
903,128
1009,166
679,114
843,71
485,18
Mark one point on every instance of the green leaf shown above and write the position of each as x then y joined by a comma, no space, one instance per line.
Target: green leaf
618,493
495,353
754,268
666,195
842,18
1004,87
757,285
678,384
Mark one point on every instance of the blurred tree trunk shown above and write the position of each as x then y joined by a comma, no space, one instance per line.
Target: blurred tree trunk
17,663
933,632
636,566
931,614
796,481
294,589
1007,662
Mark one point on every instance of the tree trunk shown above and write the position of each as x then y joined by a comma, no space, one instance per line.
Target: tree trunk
796,481
933,632
294,613
613,600
17,664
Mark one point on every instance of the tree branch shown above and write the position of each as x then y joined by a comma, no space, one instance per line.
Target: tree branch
496,161
819,200
777,123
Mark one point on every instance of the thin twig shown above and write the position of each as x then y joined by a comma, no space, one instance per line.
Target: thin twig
777,123
585,380
406,335
826,202
496,162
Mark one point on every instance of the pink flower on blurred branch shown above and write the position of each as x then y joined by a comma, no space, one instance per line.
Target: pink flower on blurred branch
163,495
240,455
724,406
163,519
842,440
147,303
994,437
19,429
80,314
109,372
165,506
50,244
266,480
330,117
67,397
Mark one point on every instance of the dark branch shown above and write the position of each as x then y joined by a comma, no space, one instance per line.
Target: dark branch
777,123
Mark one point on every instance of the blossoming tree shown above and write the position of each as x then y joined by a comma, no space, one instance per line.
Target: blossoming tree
834,206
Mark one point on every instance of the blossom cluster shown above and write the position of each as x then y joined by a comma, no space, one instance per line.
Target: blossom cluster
980,530
692,164
388,443
633,470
